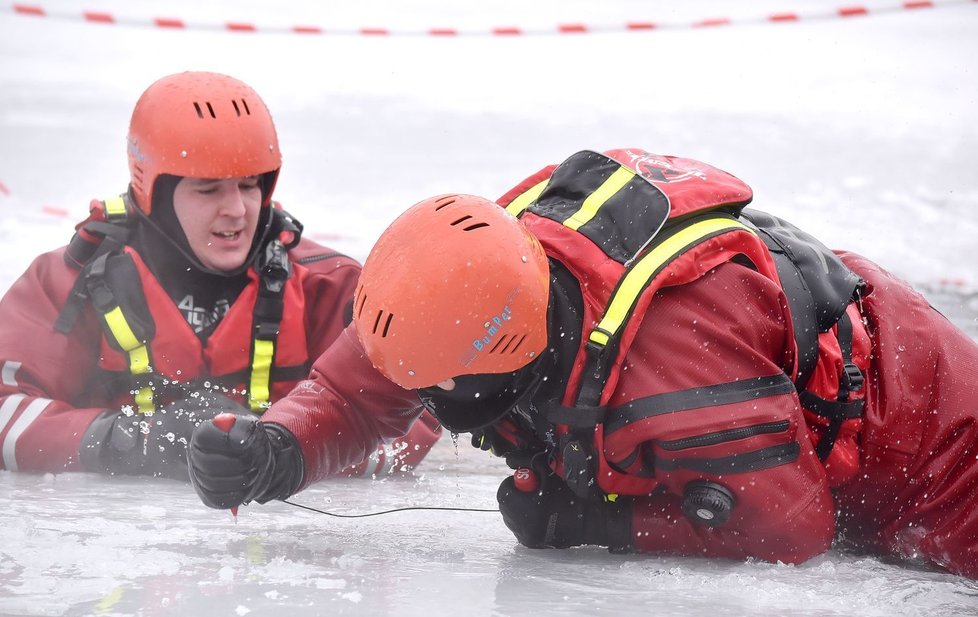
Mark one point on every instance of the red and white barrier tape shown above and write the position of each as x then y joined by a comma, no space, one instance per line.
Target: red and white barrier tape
100,17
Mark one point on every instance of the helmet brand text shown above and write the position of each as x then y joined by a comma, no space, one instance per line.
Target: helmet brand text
492,329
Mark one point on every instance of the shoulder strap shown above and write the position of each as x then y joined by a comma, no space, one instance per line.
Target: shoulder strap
104,232
580,464
274,269
603,340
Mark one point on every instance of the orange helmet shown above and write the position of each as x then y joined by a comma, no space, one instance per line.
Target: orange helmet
455,286
200,125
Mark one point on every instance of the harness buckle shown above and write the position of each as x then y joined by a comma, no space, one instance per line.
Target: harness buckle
275,269
852,377
266,331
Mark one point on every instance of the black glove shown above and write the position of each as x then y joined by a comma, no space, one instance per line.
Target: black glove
248,461
503,438
118,442
553,517
491,441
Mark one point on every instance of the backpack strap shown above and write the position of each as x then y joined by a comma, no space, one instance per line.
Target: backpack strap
603,340
577,445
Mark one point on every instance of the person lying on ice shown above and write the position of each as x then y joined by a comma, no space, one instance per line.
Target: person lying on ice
188,295
667,370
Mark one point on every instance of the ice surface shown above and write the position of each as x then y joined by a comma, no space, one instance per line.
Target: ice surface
863,131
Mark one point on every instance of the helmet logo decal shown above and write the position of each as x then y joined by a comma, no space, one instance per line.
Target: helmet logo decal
492,329
657,169
133,148
493,326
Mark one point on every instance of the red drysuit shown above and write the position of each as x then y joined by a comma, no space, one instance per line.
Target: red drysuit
901,480
53,385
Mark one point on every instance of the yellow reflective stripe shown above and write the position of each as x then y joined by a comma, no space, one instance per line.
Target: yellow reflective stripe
595,200
120,329
638,277
138,356
524,199
261,373
139,364
144,401
139,360
109,601
115,206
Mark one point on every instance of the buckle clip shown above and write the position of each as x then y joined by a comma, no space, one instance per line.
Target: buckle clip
852,377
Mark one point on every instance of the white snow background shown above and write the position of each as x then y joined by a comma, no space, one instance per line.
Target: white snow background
862,130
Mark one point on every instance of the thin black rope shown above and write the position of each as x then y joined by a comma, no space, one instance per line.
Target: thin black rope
448,509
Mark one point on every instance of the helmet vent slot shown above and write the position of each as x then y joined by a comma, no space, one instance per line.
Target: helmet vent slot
244,105
387,322
363,302
518,343
471,226
444,201
200,111
504,343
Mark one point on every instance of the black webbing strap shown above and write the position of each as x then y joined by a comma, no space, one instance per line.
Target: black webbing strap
842,409
113,239
802,307
274,270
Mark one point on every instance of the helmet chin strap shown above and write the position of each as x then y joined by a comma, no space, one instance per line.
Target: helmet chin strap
460,410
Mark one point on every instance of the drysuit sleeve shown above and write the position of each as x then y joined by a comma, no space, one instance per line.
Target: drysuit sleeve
344,410
704,401
45,373
329,289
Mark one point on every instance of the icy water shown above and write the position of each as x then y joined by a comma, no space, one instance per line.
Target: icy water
84,545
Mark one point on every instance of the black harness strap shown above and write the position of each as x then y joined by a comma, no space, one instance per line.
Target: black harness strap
113,238
574,417
755,460
696,398
842,409
274,270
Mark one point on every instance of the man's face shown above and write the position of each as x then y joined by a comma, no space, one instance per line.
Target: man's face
219,218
